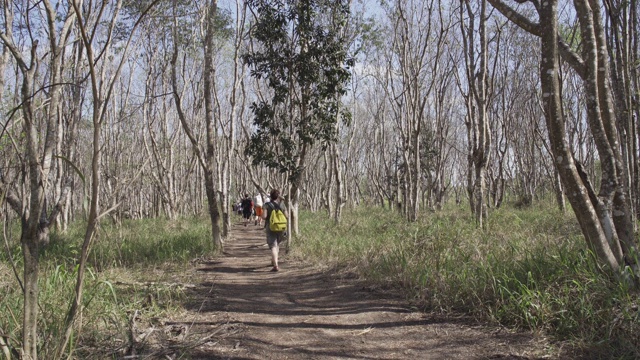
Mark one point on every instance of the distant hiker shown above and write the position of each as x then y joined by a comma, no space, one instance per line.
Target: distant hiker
257,206
247,208
273,237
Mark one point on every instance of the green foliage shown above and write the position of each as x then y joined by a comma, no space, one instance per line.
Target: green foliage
302,57
125,275
570,33
109,301
154,240
530,269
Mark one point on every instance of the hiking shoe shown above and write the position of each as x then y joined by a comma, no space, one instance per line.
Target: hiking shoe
275,268
255,223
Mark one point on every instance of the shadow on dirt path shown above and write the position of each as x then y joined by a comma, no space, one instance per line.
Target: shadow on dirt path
242,310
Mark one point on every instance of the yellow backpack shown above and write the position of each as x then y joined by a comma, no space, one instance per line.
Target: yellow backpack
277,220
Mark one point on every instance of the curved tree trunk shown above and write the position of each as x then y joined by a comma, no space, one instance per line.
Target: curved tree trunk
577,193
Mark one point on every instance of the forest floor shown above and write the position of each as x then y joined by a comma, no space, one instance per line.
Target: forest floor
239,309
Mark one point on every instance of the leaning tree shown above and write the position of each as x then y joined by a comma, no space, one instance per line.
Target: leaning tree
604,216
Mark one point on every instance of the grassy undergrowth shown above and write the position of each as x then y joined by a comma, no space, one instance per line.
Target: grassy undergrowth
529,269
129,280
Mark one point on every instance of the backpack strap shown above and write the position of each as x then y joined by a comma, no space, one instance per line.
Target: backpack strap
269,207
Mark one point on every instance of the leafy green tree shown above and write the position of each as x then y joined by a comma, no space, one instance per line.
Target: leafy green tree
302,57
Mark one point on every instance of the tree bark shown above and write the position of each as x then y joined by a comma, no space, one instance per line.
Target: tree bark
477,102
576,192
605,218
206,158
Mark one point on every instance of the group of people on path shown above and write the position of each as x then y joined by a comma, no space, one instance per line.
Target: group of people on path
263,211
252,208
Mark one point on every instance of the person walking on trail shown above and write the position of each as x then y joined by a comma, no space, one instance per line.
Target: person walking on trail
247,208
257,206
274,238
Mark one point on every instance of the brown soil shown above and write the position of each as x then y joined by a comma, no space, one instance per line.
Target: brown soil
239,309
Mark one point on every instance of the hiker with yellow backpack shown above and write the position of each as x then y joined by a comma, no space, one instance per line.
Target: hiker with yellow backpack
275,225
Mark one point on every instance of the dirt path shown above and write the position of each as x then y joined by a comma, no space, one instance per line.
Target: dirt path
244,311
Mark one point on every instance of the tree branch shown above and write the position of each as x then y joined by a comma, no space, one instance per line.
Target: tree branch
516,18
568,55
12,199
58,207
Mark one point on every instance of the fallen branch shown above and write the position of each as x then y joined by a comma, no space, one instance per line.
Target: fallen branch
152,283
8,351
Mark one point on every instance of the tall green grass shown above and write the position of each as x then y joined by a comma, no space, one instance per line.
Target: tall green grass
126,276
137,243
529,269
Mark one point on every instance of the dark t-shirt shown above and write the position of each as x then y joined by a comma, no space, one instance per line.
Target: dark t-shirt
247,205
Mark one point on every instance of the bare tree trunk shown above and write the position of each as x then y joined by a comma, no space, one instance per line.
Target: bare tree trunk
339,190
206,158
30,215
577,193
417,55
159,148
478,123
295,181
210,175
39,157
328,186
605,217
619,42
620,210
559,192
102,91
